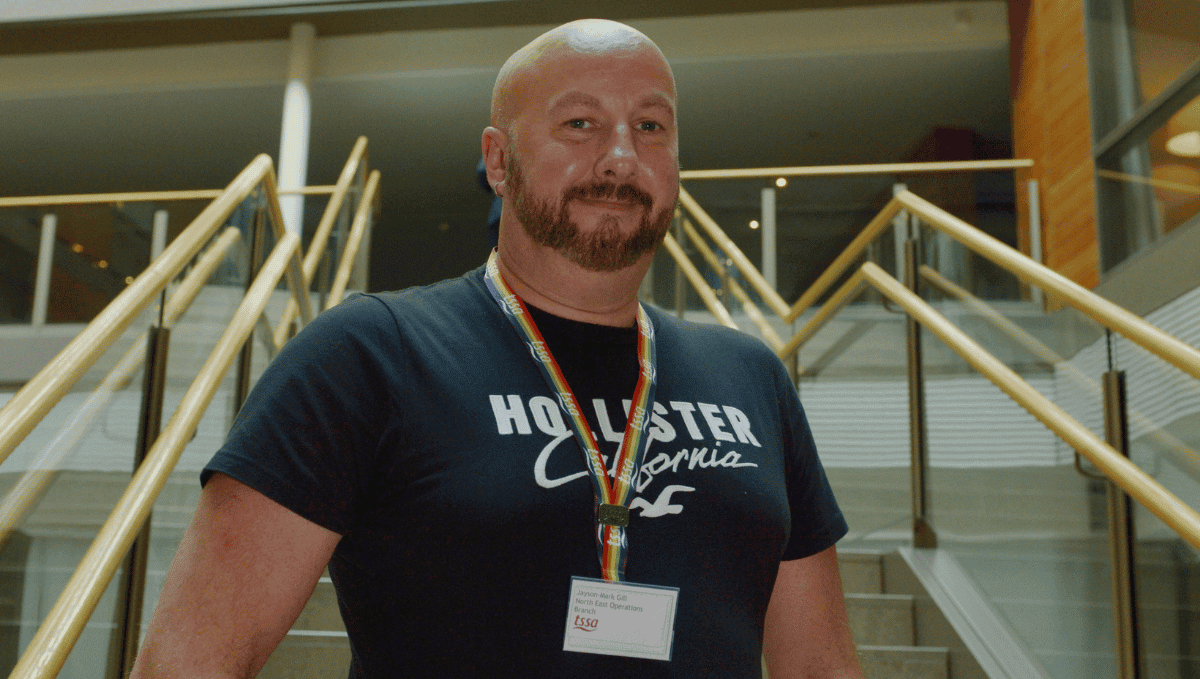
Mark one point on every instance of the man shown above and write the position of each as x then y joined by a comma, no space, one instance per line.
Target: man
429,445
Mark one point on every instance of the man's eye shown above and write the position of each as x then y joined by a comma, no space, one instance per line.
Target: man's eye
649,126
577,124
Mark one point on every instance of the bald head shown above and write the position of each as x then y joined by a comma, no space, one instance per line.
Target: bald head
551,52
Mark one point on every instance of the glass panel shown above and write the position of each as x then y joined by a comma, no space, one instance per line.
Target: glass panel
1137,49
1166,40
1153,190
1163,410
1005,498
193,338
855,393
79,460
74,466
20,236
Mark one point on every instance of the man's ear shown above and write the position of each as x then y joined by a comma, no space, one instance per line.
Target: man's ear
495,157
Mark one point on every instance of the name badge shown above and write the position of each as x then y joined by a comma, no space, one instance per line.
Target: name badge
619,618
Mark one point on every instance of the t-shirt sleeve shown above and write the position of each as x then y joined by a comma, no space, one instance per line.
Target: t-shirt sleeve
817,523
308,434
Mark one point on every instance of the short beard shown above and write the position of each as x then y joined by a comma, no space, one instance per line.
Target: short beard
605,249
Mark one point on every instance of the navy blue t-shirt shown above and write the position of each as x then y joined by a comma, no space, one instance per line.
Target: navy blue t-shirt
417,426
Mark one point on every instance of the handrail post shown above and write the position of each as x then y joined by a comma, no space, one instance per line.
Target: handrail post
723,294
680,290
1121,535
45,264
123,645
923,533
242,389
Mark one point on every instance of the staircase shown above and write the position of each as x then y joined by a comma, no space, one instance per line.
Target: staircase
900,634
883,619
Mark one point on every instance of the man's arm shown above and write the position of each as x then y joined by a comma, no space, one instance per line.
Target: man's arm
807,635
243,572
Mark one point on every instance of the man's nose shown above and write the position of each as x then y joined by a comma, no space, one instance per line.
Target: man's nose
619,161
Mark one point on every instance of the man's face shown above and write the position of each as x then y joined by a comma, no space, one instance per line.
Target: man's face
593,169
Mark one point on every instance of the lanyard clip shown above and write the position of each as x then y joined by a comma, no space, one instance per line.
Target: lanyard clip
613,515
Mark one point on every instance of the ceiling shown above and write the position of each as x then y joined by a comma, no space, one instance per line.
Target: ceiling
747,98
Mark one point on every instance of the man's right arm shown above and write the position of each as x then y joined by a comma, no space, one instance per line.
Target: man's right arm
243,572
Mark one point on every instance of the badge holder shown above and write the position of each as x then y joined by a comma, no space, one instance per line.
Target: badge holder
620,618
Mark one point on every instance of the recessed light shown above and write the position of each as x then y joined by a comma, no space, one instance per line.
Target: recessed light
781,182
754,223
1186,144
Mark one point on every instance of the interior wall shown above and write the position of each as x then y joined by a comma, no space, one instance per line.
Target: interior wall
1052,125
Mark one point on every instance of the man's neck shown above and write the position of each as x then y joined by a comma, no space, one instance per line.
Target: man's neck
542,277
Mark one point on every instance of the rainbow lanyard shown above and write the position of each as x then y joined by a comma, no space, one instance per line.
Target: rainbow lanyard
612,500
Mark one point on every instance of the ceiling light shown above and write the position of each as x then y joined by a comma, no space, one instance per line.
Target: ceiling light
102,264
1186,144
76,247
128,280
754,223
781,182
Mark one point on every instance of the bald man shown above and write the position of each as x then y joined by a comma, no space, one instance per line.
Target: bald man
522,472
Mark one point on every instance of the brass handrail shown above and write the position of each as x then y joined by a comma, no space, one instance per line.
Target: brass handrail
20,415
843,170
316,247
1150,181
350,252
740,260
748,306
1138,484
1157,342
30,488
694,276
49,649
140,196
1182,455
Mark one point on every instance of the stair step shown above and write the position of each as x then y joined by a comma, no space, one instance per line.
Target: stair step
305,656
862,571
904,662
321,613
881,619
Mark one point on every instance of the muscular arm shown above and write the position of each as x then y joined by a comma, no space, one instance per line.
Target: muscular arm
807,635
243,572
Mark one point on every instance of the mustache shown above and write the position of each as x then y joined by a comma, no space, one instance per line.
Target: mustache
610,191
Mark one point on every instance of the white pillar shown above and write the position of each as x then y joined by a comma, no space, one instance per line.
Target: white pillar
768,237
45,262
297,118
1035,235
158,237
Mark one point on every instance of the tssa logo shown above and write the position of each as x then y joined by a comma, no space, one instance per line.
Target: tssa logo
586,624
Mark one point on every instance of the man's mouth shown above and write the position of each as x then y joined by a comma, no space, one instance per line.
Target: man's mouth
610,196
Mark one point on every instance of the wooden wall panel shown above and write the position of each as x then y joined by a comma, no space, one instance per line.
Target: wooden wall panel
1052,125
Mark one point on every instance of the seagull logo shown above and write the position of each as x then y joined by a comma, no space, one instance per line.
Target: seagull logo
662,506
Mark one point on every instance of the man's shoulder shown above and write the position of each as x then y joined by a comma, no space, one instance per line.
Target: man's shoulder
436,302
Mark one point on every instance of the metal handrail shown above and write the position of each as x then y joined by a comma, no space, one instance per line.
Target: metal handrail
316,247
1174,512
694,276
1182,455
33,401
1138,484
48,650
844,170
1111,316
60,630
350,252
740,260
141,196
32,485
748,306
